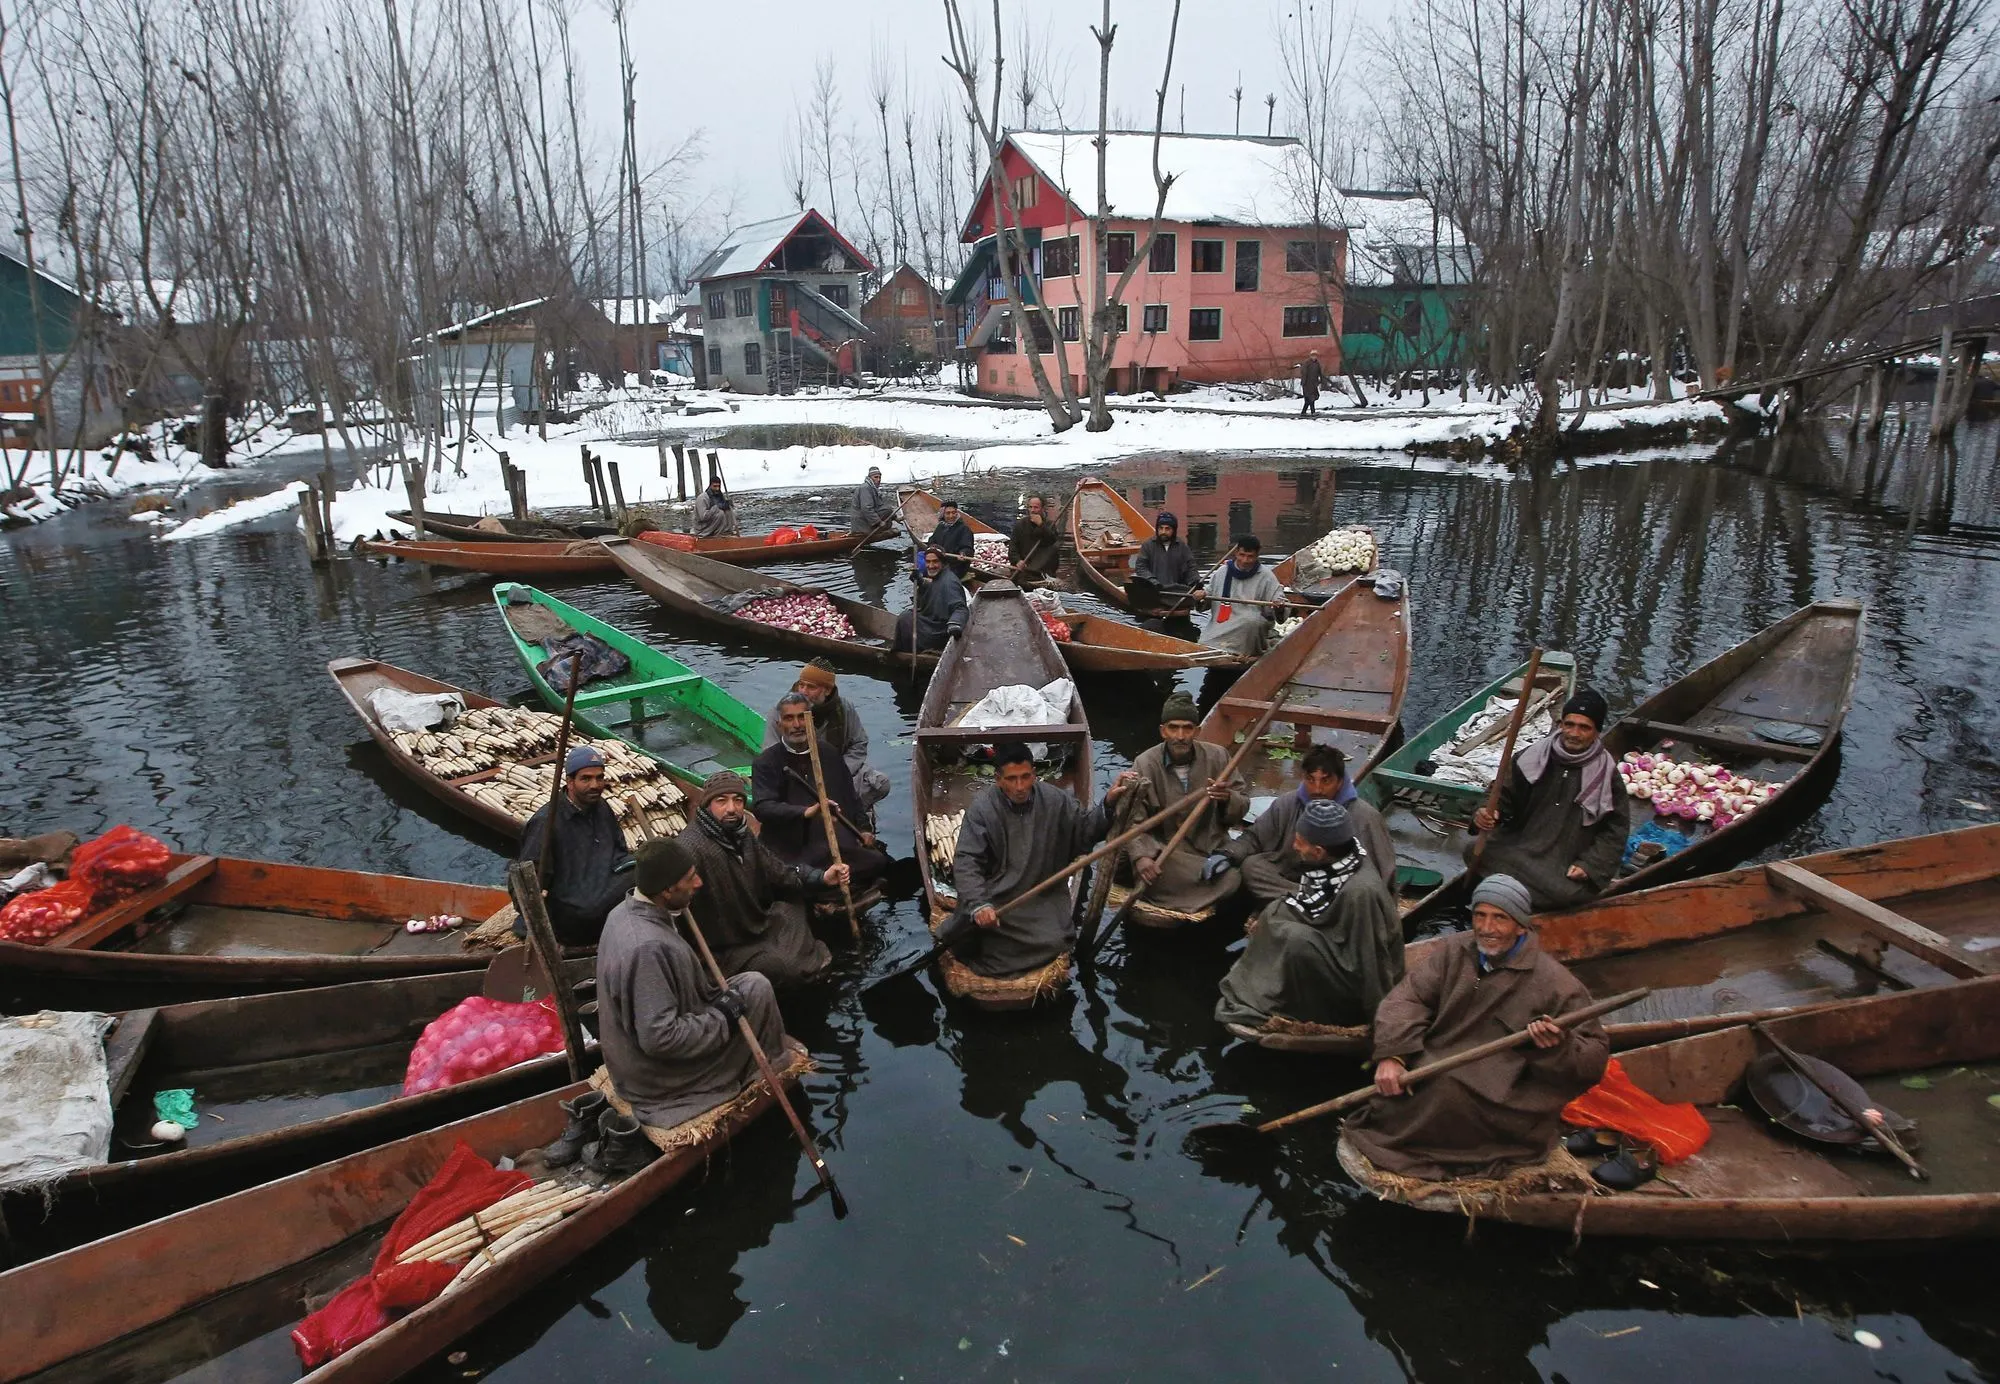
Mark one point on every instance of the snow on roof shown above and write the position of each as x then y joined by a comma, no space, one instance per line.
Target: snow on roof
1400,237
483,318
1237,180
745,249
624,312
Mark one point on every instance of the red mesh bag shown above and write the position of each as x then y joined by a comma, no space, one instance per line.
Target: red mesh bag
120,862
1676,1132
465,1184
660,538
36,917
779,536
478,1037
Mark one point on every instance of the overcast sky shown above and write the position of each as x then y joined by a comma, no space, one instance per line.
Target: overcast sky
737,69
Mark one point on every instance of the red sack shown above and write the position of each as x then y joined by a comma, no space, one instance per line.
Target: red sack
465,1184
660,538
779,536
1676,1132
120,862
478,1037
34,918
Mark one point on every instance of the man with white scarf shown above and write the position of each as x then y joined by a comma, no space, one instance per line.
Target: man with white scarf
1564,815
1331,949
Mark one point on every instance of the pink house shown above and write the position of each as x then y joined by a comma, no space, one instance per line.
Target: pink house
1239,284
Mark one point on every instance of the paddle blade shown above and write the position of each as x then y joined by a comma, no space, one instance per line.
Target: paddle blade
839,1201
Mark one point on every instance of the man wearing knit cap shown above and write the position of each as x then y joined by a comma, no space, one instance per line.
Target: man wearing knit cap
1177,766
840,730
1494,1115
668,1030
953,538
582,877
872,511
1241,576
939,612
1263,850
1164,570
786,801
715,512
1328,951
751,906
1564,815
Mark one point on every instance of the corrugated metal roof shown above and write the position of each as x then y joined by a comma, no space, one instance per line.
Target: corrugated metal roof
747,249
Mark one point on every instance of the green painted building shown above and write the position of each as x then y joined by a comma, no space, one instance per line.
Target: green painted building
39,317
1407,275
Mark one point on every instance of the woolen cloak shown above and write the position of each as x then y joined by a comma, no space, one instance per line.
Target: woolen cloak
1180,885
780,801
750,906
1330,965
1263,852
1542,833
1004,850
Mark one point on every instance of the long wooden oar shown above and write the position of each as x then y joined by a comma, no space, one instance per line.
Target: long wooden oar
1098,939
1492,803
1876,1126
1100,883
838,815
548,853
1236,1130
951,938
743,1026
826,820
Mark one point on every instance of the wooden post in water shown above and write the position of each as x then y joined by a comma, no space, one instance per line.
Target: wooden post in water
603,491
1878,396
661,447
1854,413
316,548
617,489
680,472
589,480
413,490
1941,397
715,466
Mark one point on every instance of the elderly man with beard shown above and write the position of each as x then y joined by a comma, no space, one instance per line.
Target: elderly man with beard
953,538
872,511
840,730
939,613
787,803
1015,835
1034,548
1264,850
1328,951
1564,815
1494,1115
751,907
1177,766
585,870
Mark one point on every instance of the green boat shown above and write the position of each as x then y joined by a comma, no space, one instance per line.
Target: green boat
1428,817
659,705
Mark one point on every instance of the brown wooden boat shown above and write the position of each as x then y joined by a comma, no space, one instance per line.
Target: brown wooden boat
1339,679
1753,1182
1099,644
1329,586
1771,708
290,1080
193,1288
1766,940
1004,644
515,558
219,926
752,549
465,528
920,509
1107,532
686,583
358,679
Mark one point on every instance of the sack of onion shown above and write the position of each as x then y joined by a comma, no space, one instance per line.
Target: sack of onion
1343,550
808,613
1057,627
1691,791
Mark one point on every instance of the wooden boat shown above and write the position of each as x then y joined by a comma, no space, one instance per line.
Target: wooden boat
219,926
1766,939
1793,679
358,679
1429,818
1004,644
1099,644
1107,532
920,509
194,1290
1752,1182
465,527
583,558
750,549
1329,586
291,1079
673,713
686,583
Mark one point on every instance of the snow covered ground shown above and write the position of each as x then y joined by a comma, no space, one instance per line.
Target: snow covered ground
938,435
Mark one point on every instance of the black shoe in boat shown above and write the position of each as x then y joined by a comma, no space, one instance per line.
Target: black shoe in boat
584,1113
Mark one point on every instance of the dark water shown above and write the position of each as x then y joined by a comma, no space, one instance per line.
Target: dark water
1023,1205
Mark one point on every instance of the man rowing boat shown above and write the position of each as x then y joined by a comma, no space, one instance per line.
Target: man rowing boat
786,800
585,877
1263,851
840,729
751,907
1177,766
1564,814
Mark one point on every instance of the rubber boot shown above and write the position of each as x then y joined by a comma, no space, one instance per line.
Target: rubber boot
622,1147
584,1113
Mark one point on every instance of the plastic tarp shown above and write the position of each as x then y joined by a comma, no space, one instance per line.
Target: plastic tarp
399,710
1018,704
57,1113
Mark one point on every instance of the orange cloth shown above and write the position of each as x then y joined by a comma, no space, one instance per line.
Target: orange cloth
1676,1132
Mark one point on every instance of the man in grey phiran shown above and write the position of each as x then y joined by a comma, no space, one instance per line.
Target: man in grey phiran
1564,815
1177,766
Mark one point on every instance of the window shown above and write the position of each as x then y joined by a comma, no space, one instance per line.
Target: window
715,361
1024,190
902,297
1154,318
1204,324
746,302
1069,321
1124,319
1118,251
1306,321
1161,260
1242,517
1308,256
753,357
1002,341
1153,496
718,306
1038,326
1205,257
1059,258
1249,254
840,295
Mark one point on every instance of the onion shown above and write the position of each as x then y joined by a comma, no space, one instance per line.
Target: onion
1641,791
1676,775
1699,775
1704,811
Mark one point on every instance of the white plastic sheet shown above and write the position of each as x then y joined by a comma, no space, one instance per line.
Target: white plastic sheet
398,710
55,1096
